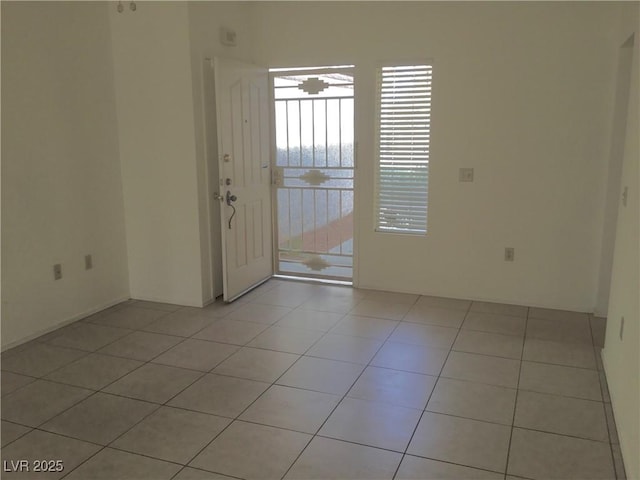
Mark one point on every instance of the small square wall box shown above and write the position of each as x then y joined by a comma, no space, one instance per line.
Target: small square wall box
227,37
465,175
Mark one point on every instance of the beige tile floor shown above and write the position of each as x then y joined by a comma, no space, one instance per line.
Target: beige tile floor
305,381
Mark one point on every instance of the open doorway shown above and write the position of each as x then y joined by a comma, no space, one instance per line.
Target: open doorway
313,172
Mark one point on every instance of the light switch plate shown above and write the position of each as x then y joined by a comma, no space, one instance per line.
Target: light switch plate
466,175
509,254
227,37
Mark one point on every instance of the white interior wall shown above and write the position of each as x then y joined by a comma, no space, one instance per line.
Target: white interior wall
61,185
151,50
621,356
522,94
534,68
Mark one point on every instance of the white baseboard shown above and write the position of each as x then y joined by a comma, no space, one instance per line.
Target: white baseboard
179,302
65,322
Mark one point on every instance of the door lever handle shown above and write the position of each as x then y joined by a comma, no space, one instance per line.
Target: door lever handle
230,199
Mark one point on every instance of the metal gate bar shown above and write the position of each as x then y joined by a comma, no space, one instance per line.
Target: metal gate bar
314,175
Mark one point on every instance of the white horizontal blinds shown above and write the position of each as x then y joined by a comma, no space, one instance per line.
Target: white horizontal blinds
403,148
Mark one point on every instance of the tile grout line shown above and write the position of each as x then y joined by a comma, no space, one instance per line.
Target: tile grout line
316,434
158,406
415,429
604,405
274,382
236,418
399,322
515,403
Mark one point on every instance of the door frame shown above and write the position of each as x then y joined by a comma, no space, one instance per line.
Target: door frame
210,136
273,72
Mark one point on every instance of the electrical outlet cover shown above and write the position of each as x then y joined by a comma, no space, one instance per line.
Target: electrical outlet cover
509,254
466,175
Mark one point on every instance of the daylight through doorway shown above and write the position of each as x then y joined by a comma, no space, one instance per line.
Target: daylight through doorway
313,172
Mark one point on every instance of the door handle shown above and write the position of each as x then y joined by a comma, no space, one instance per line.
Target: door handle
230,199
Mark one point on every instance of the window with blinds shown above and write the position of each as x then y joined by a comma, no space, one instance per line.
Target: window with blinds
404,115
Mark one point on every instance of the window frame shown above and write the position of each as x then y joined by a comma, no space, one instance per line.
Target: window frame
423,62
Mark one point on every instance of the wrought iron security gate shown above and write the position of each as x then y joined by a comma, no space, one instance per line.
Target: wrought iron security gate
313,174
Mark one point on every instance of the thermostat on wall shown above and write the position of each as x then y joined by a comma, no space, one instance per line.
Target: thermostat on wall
227,37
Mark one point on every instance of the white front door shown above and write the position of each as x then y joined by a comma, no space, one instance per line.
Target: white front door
242,110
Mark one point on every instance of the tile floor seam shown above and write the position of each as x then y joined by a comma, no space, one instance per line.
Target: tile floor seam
472,353
474,382
184,409
561,365
102,447
207,446
233,320
556,434
237,417
515,403
386,449
213,320
343,361
87,398
164,314
54,370
288,429
324,334
144,363
122,449
361,336
30,429
316,434
449,462
470,329
383,342
68,436
65,410
483,354
22,386
108,445
560,395
146,306
105,386
560,434
404,454
83,440
491,422
311,356
182,340
593,338
611,447
122,395
205,471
